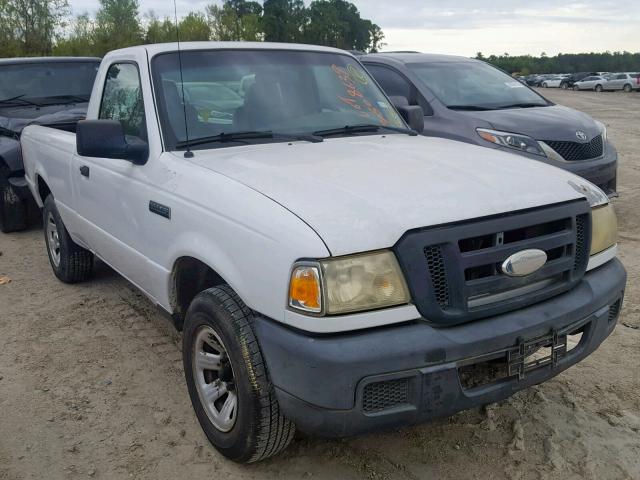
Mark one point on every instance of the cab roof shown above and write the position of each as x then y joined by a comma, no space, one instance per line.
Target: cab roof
416,57
31,60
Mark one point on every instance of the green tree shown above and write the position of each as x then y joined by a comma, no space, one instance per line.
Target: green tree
159,31
80,41
117,25
30,27
194,27
235,20
283,20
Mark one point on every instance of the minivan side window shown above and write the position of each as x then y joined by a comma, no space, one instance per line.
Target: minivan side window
621,77
122,99
395,85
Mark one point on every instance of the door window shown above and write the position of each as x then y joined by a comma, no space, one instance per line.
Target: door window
122,99
395,85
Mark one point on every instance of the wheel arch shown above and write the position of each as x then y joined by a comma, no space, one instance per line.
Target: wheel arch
189,276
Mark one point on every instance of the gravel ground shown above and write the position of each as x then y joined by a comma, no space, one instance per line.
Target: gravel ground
91,383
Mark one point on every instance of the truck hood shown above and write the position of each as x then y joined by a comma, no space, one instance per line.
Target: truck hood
555,122
363,193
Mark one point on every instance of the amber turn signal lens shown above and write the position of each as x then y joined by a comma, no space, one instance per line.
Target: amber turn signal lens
305,289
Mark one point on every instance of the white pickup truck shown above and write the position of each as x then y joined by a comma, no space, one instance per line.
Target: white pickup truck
331,270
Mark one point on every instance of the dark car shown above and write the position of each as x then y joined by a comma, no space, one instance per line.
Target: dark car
471,101
570,81
52,91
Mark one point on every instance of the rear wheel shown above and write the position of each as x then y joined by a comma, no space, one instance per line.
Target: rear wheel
70,262
545,85
227,379
576,88
598,88
563,86
627,88
13,210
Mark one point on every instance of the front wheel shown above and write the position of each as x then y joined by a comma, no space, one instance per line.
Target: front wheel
563,86
70,262
575,88
598,88
13,210
227,379
544,85
627,88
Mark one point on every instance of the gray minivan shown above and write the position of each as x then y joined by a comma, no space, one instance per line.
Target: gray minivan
471,101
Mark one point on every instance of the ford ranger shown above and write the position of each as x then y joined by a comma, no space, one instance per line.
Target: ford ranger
330,269
52,91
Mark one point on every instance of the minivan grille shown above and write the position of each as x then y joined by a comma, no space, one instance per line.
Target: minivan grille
462,278
574,151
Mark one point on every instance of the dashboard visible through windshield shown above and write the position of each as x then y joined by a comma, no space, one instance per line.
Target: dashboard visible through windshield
231,96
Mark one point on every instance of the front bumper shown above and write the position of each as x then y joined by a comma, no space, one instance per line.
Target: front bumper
321,382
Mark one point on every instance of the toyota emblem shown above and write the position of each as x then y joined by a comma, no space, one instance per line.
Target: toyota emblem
581,135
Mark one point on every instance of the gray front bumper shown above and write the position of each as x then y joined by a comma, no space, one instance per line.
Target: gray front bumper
320,380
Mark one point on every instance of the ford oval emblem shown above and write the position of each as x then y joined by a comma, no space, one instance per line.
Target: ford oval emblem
580,135
524,263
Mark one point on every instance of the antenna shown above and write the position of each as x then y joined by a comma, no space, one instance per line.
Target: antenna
188,153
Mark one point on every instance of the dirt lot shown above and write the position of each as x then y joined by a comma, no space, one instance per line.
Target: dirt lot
91,383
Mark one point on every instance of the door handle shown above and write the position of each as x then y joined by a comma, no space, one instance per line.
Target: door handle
84,171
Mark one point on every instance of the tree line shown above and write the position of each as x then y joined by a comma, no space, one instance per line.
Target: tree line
46,27
566,62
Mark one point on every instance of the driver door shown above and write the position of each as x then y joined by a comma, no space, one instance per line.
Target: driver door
109,191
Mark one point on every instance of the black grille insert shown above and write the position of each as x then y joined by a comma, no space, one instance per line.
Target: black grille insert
438,275
379,396
462,276
572,151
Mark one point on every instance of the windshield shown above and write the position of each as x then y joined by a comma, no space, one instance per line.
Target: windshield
233,92
474,84
47,83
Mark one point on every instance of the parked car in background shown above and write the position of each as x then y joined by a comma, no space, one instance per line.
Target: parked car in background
623,81
471,101
569,81
36,91
593,82
552,82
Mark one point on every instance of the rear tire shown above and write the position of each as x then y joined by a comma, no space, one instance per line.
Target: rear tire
627,88
13,210
576,88
598,88
545,85
70,262
221,354
563,86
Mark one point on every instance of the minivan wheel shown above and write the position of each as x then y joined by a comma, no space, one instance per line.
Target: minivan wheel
228,381
545,85
575,88
598,88
563,86
70,262
627,88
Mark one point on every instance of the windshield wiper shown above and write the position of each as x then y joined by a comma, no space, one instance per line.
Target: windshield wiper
242,136
354,129
19,98
522,105
475,108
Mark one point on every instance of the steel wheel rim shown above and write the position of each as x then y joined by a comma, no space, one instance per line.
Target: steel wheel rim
214,379
53,240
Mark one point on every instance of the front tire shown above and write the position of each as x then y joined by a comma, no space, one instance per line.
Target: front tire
627,88
13,210
544,85
70,262
598,88
227,379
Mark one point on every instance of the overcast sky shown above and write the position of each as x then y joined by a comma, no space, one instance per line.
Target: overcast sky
465,27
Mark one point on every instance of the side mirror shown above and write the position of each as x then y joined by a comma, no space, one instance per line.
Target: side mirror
106,139
413,115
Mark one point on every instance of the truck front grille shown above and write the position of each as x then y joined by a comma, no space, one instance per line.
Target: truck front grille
462,278
574,151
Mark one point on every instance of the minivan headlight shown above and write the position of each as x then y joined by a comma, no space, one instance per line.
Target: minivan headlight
604,228
515,141
349,284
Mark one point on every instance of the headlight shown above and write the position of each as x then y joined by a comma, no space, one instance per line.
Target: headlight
604,228
514,141
348,284
603,130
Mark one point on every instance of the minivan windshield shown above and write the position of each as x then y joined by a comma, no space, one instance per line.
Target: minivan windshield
475,86
46,83
232,97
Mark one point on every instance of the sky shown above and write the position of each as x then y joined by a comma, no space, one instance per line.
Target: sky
465,27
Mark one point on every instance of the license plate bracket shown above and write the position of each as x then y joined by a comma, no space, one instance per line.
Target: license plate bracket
540,352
